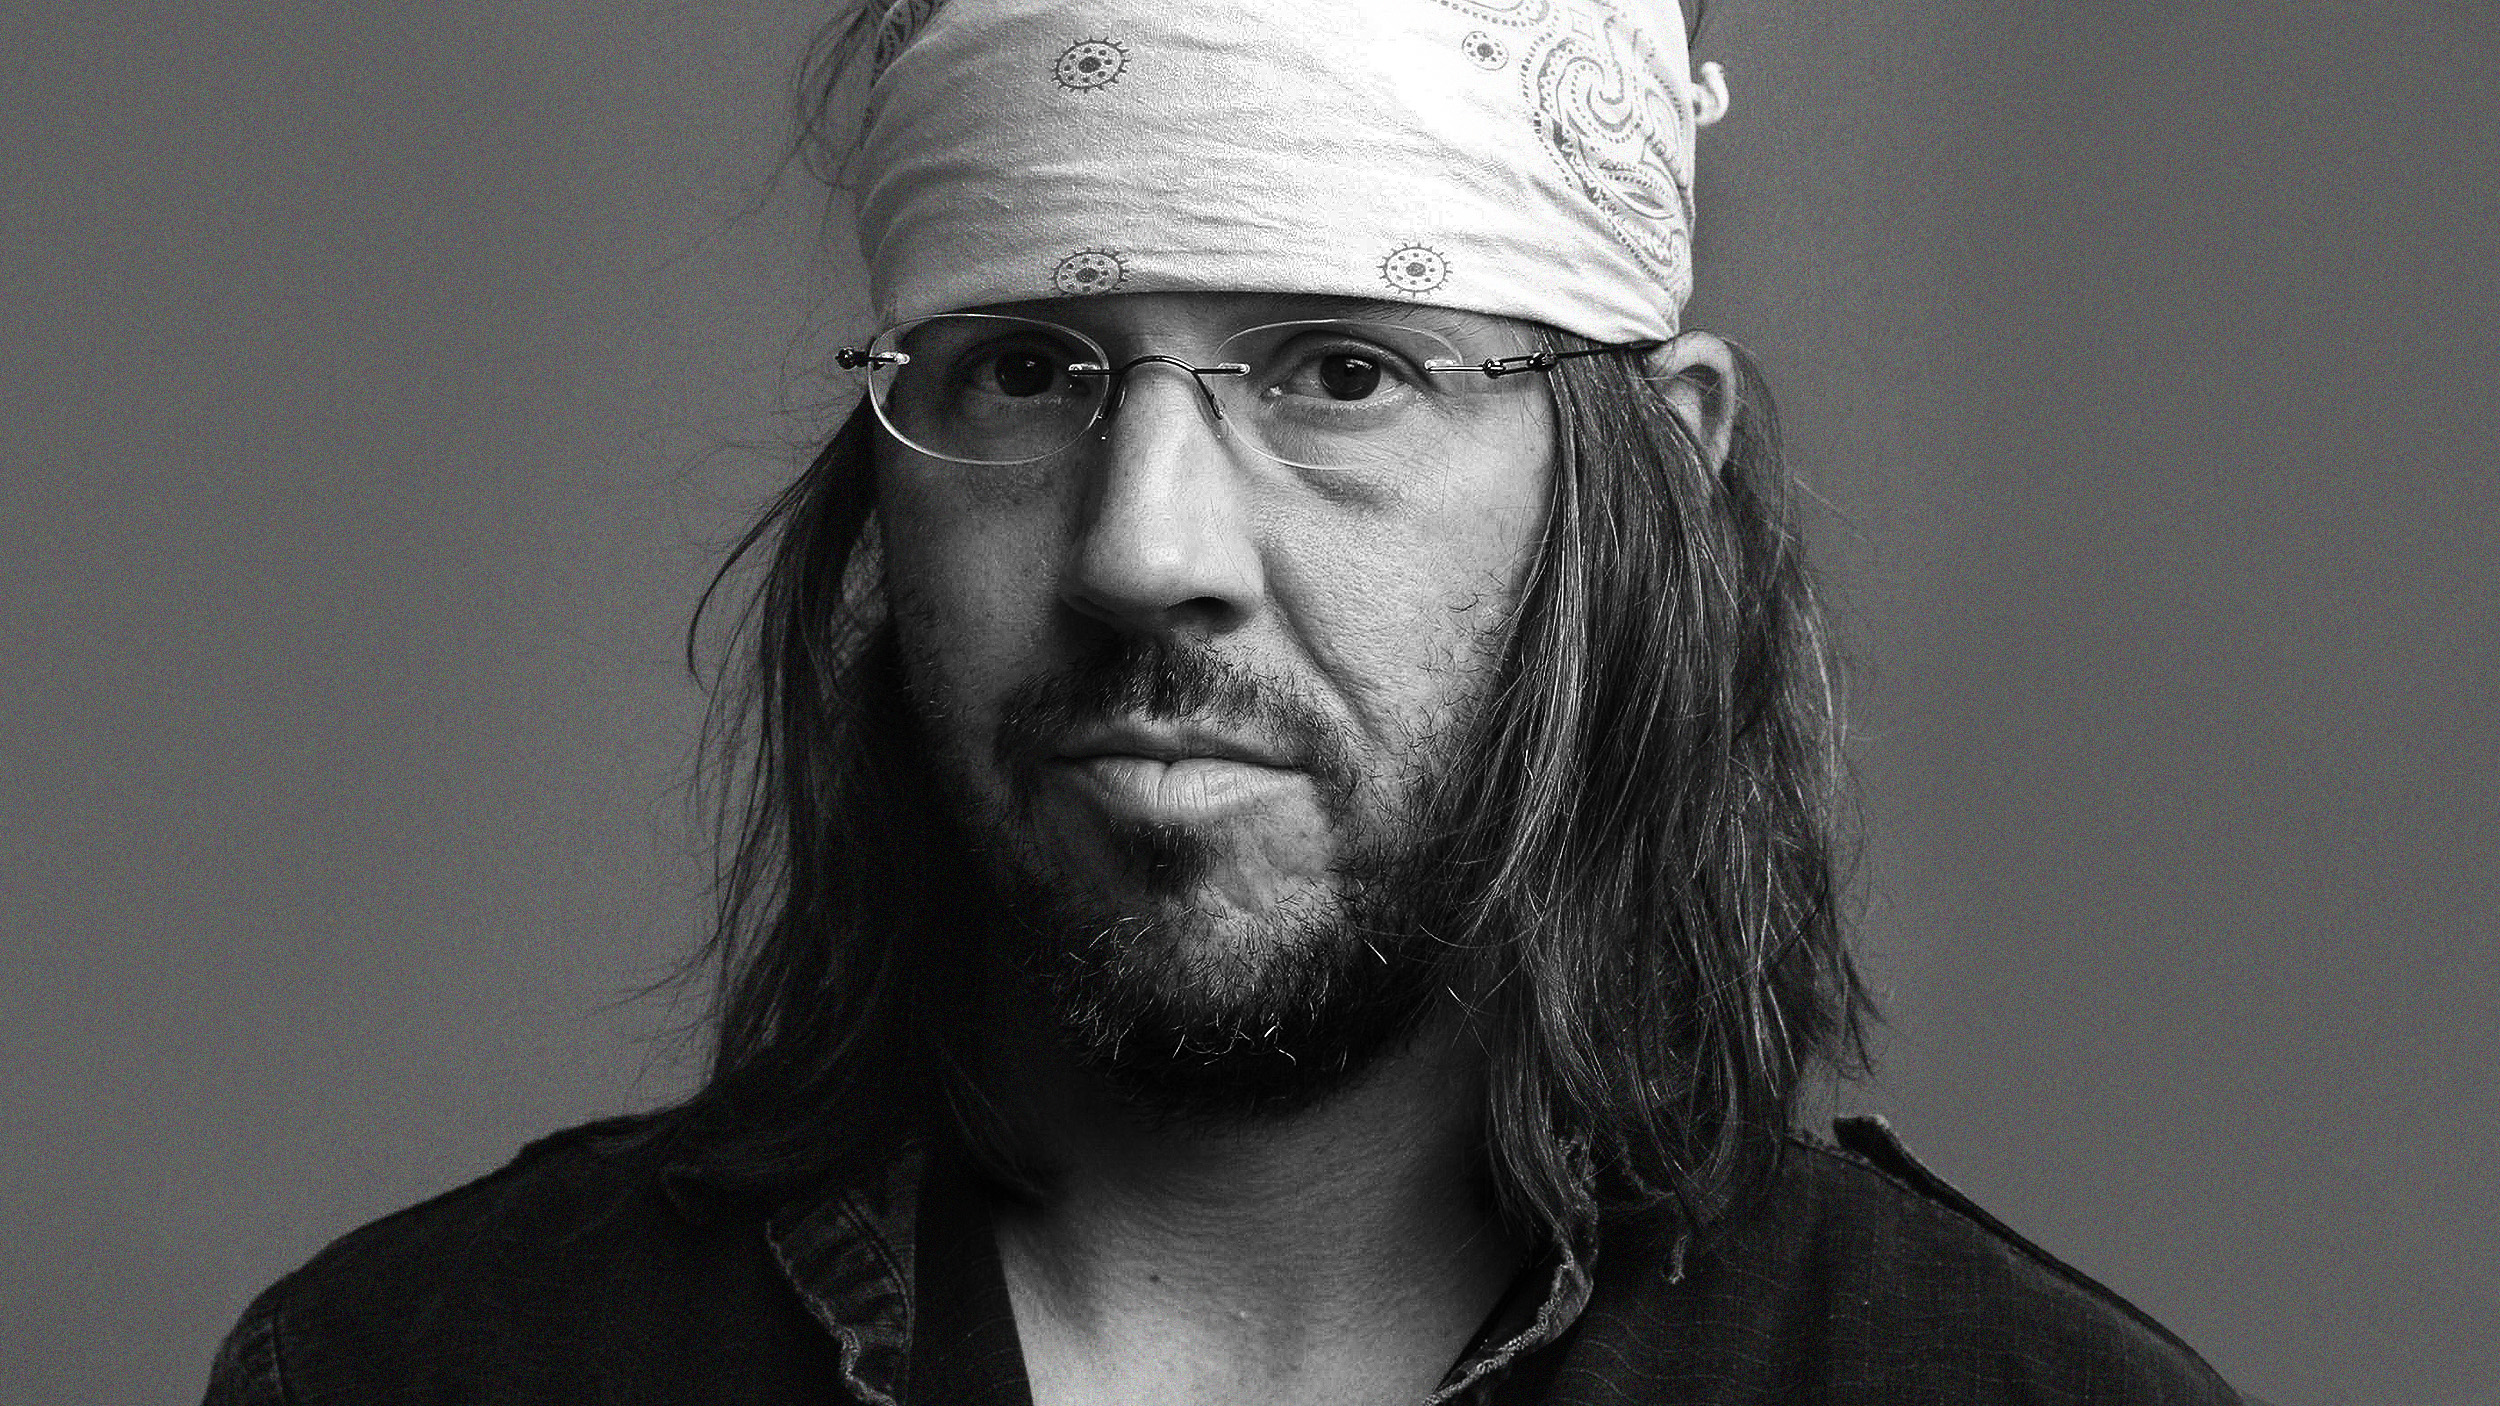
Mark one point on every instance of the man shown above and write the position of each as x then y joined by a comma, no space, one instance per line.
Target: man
1286,857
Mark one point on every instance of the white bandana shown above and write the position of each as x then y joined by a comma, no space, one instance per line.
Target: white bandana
1524,158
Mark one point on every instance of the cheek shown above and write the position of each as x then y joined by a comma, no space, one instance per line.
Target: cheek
1484,515
1404,609
970,587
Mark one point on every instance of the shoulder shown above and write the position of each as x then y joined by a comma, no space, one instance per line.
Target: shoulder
583,1259
1868,1153
1860,1271
591,1192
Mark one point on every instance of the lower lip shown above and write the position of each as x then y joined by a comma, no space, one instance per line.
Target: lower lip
1190,791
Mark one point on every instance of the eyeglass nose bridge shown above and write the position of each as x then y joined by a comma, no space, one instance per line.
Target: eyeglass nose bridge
1118,378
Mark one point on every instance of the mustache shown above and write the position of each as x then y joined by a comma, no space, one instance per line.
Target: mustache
1168,680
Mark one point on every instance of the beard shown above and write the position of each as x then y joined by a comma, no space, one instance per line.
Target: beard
1184,1014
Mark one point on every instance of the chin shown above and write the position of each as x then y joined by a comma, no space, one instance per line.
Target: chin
1189,1003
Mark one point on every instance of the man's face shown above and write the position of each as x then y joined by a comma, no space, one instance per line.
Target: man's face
1184,698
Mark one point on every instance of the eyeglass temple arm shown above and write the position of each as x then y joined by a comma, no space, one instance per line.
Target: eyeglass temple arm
1496,368
853,358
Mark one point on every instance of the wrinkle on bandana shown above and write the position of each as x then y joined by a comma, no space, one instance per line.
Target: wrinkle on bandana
1521,158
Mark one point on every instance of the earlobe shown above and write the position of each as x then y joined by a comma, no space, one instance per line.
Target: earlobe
1697,373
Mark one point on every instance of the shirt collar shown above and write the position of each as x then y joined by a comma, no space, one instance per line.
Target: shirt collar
846,1245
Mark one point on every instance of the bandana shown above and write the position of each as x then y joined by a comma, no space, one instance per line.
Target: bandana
1523,158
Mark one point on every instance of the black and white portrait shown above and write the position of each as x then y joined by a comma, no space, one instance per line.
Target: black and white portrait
1152,701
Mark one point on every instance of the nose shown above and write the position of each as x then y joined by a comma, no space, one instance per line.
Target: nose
1162,542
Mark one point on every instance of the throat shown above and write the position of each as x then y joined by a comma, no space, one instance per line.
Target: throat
1345,1253
1141,1328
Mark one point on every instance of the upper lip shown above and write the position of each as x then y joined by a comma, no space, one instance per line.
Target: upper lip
1167,742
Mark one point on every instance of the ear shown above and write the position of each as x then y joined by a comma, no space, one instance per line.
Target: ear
1697,373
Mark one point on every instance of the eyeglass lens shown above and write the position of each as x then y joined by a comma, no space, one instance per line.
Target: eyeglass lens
984,388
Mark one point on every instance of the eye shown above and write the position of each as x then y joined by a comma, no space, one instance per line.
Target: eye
1019,373
1346,376
1336,370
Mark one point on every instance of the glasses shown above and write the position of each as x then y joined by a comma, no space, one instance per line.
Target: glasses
992,389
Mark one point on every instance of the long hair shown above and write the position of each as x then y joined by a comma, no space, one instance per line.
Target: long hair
1648,837
1642,834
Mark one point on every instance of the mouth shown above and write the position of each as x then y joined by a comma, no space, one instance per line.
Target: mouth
1173,774
1170,743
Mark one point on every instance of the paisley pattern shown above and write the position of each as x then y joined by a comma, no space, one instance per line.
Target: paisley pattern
1516,13
1594,91
897,27
1595,132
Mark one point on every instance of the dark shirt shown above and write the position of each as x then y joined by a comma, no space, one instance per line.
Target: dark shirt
964,1350
595,1268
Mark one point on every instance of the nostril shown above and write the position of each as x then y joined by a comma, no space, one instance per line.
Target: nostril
1198,618
1162,547
1201,616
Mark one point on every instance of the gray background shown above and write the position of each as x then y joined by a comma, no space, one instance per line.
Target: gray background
380,387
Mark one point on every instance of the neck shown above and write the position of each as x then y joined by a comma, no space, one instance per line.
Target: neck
1345,1252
